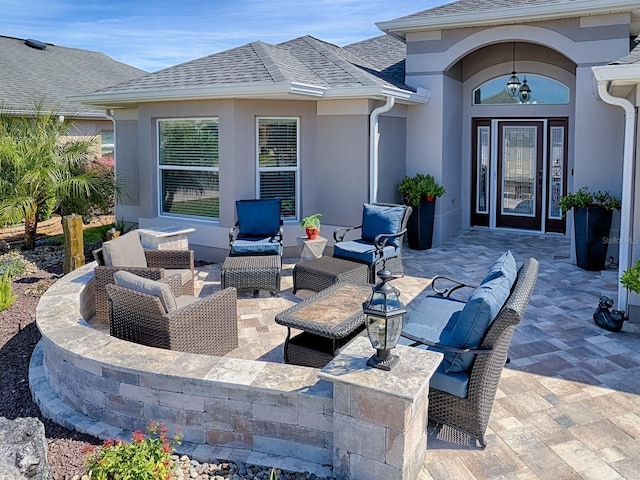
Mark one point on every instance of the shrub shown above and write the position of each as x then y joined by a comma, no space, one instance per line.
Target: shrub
6,291
414,188
146,458
583,198
13,264
630,278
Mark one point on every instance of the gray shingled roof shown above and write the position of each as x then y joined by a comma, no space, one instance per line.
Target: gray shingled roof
304,60
474,6
387,54
634,54
29,75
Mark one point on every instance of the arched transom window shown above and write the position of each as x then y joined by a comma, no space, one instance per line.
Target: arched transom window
544,90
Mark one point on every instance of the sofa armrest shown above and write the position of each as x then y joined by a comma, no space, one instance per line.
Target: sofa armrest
444,348
175,284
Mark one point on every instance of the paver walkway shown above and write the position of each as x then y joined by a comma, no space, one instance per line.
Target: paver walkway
568,405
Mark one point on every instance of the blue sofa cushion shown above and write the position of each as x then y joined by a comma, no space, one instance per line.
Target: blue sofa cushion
433,316
455,383
504,265
481,308
377,219
258,218
256,246
362,251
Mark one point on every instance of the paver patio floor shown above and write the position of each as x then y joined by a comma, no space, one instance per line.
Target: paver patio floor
568,405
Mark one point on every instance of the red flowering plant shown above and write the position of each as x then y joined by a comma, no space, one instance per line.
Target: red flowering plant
146,458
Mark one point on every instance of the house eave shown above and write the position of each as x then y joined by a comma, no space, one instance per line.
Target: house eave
284,91
523,14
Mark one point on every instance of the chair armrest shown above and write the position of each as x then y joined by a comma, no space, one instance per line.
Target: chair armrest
446,292
175,284
208,326
339,233
383,238
233,233
444,348
170,259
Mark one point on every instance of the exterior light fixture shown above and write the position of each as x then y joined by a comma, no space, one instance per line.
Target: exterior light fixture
525,91
513,85
384,318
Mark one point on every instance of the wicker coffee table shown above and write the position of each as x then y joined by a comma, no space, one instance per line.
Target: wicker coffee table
323,272
255,273
328,320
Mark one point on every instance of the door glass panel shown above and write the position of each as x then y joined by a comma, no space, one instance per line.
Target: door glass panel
556,173
482,155
519,171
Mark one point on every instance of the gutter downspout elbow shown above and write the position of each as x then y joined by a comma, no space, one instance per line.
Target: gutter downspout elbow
624,246
374,139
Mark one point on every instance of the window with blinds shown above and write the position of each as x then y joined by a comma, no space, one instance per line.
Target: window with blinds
188,164
278,162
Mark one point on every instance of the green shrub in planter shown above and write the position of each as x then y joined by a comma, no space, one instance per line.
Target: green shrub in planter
630,278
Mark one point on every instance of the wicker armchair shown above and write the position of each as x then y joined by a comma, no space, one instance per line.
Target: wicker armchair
207,325
382,235
470,413
157,264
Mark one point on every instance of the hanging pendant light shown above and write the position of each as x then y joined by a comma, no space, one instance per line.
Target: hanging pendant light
513,85
525,91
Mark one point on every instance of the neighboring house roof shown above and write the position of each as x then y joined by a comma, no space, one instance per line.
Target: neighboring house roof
474,13
30,75
303,66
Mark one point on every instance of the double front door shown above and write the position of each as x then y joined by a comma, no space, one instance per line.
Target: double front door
519,173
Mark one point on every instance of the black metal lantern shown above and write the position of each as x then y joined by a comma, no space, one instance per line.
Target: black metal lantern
384,318
525,91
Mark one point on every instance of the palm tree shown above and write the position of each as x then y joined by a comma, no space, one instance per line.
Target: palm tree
41,162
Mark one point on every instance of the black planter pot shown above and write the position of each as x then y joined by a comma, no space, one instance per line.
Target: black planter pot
420,225
592,225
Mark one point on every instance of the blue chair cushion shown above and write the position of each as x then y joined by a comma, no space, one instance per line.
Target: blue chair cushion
504,265
258,218
377,219
256,246
433,316
481,308
455,383
362,251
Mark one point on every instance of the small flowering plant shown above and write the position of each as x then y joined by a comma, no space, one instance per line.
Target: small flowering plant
146,458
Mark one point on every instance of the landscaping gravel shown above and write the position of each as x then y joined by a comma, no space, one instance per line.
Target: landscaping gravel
19,336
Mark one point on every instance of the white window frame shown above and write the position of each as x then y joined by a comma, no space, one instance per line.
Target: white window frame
295,169
160,168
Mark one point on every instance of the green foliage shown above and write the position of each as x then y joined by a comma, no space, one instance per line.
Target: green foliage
584,198
6,291
414,188
46,209
13,265
146,458
273,475
41,161
312,221
630,278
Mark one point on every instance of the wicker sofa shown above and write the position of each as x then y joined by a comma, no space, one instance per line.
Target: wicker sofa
126,253
153,313
463,388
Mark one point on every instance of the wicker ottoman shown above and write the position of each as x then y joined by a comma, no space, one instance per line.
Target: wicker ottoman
252,273
323,272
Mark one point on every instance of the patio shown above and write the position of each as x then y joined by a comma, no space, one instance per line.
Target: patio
568,405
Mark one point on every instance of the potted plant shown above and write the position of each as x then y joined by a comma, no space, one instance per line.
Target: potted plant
630,278
311,225
420,192
592,214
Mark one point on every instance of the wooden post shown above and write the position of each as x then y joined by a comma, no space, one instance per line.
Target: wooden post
73,242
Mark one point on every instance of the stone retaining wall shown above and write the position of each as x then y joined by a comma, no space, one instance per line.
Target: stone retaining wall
259,412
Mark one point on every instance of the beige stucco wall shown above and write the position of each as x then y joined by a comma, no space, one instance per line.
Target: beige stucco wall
452,63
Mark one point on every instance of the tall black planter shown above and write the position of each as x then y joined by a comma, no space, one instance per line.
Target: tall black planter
420,225
592,225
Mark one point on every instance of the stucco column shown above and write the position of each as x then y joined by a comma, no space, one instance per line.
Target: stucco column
380,417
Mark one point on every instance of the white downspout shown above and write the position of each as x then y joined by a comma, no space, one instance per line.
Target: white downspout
624,248
374,140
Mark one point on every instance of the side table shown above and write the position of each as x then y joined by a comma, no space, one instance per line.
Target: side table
320,273
311,249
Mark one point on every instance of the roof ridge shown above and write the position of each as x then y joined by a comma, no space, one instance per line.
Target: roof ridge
262,50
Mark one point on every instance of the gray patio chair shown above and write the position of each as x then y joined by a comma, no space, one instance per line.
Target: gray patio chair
381,236
126,253
463,388
153,313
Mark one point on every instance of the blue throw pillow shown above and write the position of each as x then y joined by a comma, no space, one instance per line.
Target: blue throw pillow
377,219
481,308
504,265
258,218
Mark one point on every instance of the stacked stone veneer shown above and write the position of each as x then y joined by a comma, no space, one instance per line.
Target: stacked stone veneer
259,412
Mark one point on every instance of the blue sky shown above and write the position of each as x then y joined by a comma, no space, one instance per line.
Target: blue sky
152,35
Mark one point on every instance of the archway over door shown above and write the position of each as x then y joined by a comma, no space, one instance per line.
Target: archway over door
519,173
